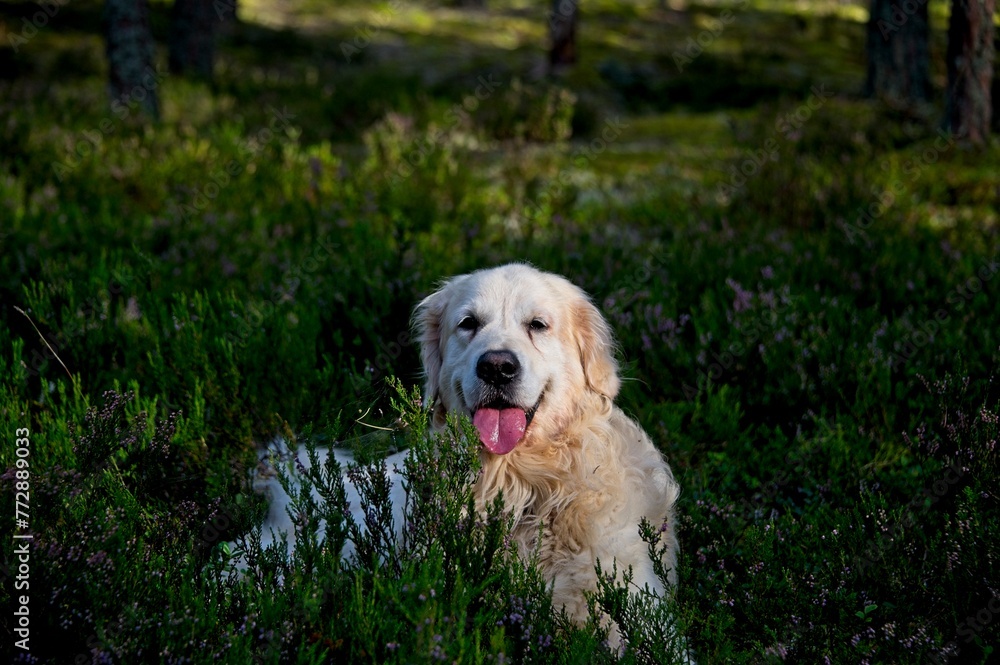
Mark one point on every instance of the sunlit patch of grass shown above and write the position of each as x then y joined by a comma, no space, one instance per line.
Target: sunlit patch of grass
379,22
185,103
849,10
703,129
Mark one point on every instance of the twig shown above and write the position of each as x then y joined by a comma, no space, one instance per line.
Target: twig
42,337
358,421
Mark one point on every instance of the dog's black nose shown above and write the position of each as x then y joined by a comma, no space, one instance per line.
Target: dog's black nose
498,368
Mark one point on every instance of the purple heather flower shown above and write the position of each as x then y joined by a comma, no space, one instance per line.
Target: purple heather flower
742,299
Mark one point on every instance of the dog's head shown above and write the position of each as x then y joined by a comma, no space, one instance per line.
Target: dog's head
516,349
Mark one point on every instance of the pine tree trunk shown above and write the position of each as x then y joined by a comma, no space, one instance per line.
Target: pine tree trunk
193,24
898,52
562,32
968,107
130,49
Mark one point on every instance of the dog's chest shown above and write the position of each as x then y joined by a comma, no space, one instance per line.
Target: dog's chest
552,527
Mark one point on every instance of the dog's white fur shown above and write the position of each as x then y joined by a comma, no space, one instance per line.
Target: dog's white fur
278,521
585,474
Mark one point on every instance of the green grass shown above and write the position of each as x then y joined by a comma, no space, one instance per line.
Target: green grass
820,381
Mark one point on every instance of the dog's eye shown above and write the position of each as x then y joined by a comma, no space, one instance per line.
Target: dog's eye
468,323
538,325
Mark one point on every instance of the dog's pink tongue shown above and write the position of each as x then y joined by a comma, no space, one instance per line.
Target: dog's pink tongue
500,430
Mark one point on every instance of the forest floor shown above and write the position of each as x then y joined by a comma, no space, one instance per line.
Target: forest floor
802,284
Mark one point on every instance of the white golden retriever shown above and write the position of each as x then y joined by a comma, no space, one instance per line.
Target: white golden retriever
530,359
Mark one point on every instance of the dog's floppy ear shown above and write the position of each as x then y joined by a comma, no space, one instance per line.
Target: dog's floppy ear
593,336
427,319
